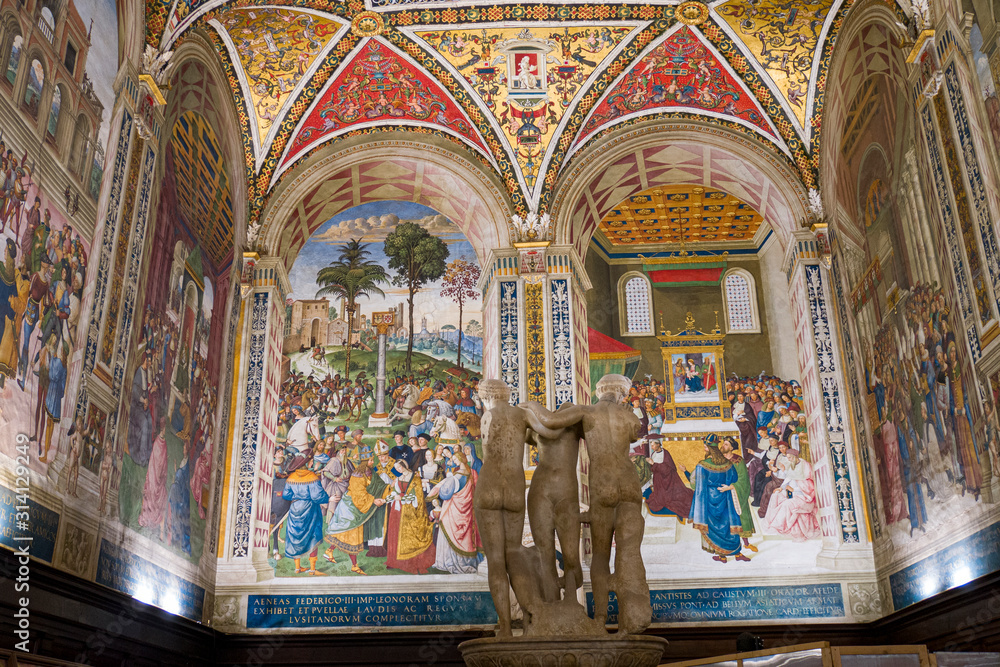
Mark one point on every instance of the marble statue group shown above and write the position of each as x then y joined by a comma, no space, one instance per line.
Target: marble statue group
547,600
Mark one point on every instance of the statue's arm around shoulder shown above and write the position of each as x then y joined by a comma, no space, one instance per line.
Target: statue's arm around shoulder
545,423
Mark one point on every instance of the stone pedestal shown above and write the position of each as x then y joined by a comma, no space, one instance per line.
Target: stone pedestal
615,651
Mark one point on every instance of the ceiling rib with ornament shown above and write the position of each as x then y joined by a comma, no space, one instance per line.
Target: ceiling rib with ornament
523,86
681,214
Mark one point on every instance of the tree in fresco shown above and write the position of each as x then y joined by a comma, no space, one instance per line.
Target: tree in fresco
474,328
459,285
349,277
417,259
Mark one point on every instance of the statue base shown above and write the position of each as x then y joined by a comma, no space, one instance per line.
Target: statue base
379,420
615,651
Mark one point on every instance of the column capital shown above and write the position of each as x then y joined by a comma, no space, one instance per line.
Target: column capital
533,261
261,272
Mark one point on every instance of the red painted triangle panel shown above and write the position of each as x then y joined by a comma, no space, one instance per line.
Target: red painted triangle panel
380,87
681,73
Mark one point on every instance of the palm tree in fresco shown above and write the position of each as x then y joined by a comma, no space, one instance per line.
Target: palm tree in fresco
349,277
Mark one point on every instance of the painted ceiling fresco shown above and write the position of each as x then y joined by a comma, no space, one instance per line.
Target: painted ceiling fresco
380,84
680,214
681,72
204,196
523,85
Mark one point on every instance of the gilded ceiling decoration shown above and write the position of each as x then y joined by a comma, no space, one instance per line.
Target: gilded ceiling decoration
523,85
277,50
527,78
782,37
680,214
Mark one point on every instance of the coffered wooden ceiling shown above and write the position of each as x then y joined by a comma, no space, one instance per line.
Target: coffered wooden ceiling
680,214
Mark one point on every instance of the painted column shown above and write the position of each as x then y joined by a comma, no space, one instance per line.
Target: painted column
535,332
381,320
243,553
845,540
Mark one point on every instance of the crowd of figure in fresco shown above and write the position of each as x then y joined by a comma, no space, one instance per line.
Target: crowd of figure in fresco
766,470
42,273
919,408
406,498
173,397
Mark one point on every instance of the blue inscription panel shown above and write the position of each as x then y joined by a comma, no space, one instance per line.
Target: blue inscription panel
123,571
748,603
371,609
976,555
42,525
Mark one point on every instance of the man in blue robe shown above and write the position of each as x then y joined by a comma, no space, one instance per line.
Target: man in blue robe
715,509
304,525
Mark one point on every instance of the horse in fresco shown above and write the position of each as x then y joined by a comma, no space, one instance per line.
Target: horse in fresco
445,430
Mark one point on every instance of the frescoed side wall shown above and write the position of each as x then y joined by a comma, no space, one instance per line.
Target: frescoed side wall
110,325
917,295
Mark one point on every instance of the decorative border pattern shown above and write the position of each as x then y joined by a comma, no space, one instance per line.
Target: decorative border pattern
972,256
104,263
251,425
860,430
534,343
987,235
510,359
121,250
829,378
947,209
562,342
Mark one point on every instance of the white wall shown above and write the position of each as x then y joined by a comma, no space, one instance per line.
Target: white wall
784,356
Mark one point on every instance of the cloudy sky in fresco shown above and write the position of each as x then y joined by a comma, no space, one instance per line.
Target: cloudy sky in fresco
373,222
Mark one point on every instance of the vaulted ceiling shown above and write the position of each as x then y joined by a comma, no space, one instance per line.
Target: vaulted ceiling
524,86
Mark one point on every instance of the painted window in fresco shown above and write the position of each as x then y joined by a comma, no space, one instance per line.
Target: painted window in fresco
47,24
638,317
739,303
15,58
54,112
392,493
33,91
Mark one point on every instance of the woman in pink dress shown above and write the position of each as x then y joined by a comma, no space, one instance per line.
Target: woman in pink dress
792,509
459,548
202,471
892,493
154,493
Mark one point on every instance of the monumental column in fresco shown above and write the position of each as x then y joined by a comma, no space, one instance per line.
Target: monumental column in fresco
381,320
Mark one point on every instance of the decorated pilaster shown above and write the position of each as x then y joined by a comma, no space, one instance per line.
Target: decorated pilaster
838,496
381,321
536,318
254,408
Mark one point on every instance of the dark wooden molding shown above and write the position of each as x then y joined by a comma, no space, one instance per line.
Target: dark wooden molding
73,619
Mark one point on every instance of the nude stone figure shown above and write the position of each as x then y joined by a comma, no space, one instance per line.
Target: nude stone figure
615,500
554,503
499,499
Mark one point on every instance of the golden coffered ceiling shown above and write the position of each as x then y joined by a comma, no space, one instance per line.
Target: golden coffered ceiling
681,214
